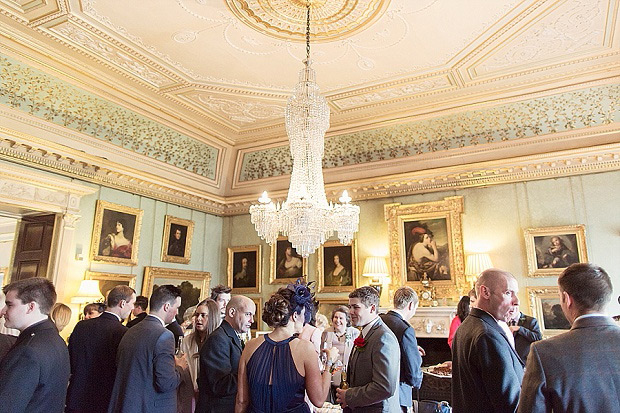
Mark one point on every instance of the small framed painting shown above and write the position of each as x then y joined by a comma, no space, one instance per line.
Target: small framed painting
177,242
337,265
116,234
244,269
546,308
286,264
551,249
258,321
327,305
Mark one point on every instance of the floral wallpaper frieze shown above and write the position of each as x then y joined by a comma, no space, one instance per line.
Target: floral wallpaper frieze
540,116
47,97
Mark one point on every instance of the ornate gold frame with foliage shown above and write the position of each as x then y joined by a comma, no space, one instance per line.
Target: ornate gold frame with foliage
321,273
150,273
536,295
259,268
98,225
106,276
188,240
579,231
450,209
274,264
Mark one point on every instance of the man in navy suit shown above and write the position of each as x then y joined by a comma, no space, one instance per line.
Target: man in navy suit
147,372
92,348
219,358
577,371
525,331
405,306
35,371
486,369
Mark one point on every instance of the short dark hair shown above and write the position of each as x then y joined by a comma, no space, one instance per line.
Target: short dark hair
37,289
219,289
462,309
142,302
99,307
118,294
164,294
368,295
342,309
588,285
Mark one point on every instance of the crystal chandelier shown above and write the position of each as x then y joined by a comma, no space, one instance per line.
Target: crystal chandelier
306,218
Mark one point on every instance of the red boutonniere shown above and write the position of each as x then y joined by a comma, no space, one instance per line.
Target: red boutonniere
359,343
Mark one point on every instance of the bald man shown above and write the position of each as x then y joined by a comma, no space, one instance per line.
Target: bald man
219,358
486,370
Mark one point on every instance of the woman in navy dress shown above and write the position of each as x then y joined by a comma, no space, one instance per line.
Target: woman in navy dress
276,369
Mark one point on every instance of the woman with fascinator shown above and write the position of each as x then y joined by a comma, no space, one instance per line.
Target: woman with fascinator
277,369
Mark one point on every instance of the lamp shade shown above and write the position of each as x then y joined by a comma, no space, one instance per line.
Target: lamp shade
88,292
375,267
476,263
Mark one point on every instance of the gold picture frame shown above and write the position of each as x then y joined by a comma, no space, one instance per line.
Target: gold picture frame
327,305
551,249
248,279
107,281
346,280
194,284
258,321
407,224
279,274
108,244
177,241
545,307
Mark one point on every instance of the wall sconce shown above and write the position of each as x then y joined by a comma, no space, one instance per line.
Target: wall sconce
377,269
87,293
475,264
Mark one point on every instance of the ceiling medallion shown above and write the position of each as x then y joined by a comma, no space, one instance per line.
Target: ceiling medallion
286,19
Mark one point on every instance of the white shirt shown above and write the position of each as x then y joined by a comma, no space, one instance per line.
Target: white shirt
368,326
160,320
115,315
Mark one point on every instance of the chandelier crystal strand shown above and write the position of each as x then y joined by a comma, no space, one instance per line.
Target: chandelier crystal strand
305,217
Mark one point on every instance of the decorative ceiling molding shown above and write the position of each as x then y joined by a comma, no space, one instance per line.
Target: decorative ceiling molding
584,108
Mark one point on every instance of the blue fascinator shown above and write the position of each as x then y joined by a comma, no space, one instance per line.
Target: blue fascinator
302,298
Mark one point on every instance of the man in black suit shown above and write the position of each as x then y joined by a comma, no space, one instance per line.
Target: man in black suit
405,306
139,310
35,372
486,369
525,331
92,348
147,373
219,358
577,371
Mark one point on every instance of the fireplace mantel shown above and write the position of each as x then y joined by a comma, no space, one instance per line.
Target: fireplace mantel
433,322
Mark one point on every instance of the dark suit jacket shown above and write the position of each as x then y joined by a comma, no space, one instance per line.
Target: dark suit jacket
6,342
146,378
486,370
528,332
136,320
177,331
92,348
373,373
219,362
410,358
35,372
577,371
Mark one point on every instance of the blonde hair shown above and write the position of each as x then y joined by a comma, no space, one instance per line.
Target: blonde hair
60,315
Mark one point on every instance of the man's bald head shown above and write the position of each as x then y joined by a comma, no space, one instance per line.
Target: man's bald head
240,312
496,292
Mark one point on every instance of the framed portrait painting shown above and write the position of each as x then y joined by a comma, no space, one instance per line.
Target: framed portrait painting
426,244
177,242
286,264
327,305
116,234
258,320
337,267
551,249
244,269
108,281
545,307
194,285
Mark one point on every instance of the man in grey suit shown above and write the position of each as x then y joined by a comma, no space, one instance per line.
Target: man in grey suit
374,366
577,371
147,372
486,369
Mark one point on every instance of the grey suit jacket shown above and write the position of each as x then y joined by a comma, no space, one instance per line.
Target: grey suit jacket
486,370
577,371
373,373
146,377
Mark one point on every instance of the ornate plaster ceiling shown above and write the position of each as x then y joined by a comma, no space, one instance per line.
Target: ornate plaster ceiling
221,70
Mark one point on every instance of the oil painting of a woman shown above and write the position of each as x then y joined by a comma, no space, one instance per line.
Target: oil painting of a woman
424,255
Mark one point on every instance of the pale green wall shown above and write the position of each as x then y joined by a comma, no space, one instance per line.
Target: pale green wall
495,218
